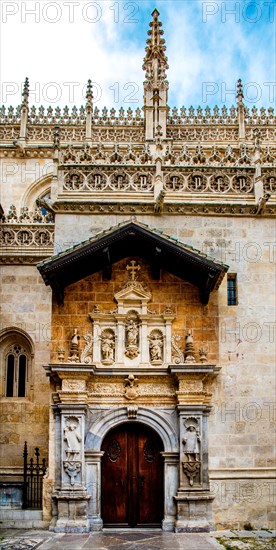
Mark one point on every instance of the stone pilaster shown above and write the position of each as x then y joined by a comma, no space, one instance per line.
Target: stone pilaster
93,480
193,498
171,467
70,494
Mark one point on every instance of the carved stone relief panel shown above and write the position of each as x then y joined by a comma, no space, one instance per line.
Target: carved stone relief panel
131,334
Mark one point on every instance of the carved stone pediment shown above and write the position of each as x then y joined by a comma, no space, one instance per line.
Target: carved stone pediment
132,296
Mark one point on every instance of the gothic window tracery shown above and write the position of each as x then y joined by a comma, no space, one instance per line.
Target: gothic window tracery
16,356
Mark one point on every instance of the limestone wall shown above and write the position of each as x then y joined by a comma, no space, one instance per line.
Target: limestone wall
19,176
26,305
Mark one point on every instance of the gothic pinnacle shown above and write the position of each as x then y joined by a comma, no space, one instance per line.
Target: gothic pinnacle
239,91
89,92
25,93
155,49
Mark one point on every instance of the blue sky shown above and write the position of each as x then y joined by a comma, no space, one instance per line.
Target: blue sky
210,44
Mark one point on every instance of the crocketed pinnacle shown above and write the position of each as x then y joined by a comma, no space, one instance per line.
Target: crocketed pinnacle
155,61
239,91
89,92
25,93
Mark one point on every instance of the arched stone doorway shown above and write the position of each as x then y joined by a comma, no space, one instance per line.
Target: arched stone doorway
132,481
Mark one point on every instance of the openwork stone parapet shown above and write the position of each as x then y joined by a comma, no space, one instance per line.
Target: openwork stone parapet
22,243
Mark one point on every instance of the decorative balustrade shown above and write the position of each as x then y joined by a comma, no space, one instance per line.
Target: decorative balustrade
219,182
98,180
23,237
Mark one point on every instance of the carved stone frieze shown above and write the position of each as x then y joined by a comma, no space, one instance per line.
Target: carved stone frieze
73,385
111,386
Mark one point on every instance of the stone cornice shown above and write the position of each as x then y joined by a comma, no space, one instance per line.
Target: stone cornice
189,208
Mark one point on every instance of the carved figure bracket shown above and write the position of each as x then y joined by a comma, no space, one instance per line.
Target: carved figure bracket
72,468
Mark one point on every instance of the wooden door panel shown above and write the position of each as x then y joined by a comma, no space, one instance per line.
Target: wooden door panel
150,479
132,477
114,478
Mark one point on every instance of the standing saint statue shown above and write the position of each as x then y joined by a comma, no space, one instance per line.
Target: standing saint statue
191,443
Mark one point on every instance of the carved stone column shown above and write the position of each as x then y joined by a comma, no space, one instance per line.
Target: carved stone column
93,480
193,498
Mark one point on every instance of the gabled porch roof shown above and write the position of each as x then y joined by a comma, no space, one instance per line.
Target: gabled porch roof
132,238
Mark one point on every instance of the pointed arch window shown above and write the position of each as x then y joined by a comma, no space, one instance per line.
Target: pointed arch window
16,371
16,364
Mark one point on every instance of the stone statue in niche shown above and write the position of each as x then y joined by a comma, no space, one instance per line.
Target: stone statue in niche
156,345
72,438
107,346
132,333
191,443
132,337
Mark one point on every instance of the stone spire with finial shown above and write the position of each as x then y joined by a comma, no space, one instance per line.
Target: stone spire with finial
25,93
155,86
155,61
240,95
24,114
241,109
89,93
89,110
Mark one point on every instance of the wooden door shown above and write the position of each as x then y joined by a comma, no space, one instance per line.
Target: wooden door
132,477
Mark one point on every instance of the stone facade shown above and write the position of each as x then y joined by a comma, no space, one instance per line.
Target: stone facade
126,335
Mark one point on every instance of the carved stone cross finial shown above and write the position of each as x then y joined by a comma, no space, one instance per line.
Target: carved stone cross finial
132,268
